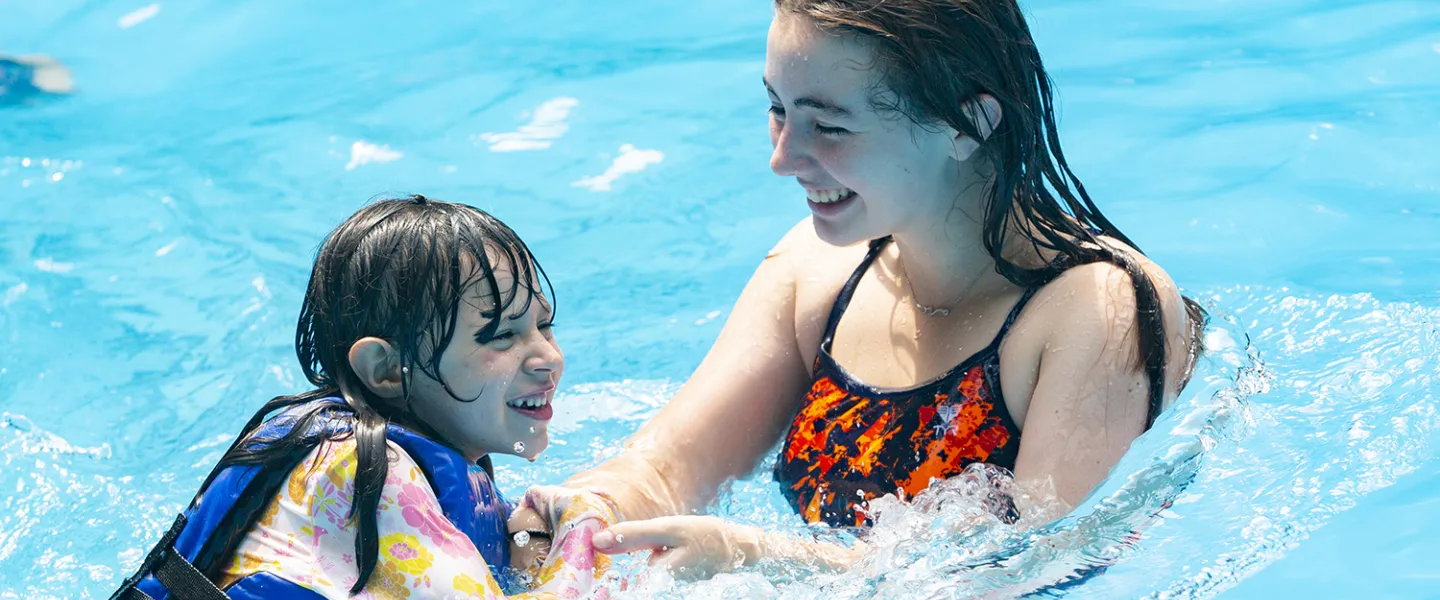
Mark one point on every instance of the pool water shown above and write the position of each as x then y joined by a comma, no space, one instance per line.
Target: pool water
1277,156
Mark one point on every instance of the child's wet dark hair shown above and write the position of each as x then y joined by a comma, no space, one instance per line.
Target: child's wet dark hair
397,270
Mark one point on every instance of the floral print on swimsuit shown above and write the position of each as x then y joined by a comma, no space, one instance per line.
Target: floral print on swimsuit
852,442
305,536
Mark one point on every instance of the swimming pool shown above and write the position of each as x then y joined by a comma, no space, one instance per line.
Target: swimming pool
1276,156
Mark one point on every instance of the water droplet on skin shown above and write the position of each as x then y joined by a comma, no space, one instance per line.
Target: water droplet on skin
519,447
522,539
620,538
532,430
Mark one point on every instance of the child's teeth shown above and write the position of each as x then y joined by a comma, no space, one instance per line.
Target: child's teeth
528,403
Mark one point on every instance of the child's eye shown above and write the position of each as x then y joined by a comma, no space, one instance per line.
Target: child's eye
832,131
489,336
777,111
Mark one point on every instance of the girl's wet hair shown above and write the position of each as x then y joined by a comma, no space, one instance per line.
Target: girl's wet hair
398,270
935,57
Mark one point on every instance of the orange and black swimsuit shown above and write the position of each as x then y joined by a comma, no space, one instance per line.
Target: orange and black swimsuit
853,442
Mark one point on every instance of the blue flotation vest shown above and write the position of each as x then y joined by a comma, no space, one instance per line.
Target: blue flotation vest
467,496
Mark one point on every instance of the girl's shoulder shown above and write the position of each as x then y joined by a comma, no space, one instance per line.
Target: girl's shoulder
813,271
816,268
1097,302
1110,288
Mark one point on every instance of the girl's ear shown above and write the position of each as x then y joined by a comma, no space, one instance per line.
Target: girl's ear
377,365
984,114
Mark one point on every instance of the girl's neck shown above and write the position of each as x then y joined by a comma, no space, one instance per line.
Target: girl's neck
944,260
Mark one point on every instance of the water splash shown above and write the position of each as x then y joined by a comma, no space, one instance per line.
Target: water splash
1180,516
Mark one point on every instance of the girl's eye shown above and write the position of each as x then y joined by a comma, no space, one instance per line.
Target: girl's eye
777,111
831,131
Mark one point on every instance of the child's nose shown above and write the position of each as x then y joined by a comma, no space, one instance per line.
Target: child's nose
546,359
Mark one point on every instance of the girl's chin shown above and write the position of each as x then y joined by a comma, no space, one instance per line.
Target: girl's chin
839,237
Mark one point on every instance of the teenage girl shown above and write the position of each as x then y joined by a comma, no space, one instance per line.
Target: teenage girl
954,297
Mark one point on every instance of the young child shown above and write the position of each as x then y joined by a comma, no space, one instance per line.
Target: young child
427,335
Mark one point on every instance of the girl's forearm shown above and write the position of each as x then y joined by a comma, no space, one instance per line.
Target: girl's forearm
758,544
639,488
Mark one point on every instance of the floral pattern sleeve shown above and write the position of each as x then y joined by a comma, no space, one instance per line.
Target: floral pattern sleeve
306,537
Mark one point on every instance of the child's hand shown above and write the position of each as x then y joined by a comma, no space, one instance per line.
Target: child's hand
537,535
540,513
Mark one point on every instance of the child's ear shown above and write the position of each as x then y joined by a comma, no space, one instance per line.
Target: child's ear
376,364
984,114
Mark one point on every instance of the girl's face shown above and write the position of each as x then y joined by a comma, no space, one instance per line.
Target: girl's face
866,174
510,371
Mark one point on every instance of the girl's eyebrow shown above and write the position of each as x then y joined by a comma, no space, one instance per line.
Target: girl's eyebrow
822,105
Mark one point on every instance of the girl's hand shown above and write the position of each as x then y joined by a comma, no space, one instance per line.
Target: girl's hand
693,547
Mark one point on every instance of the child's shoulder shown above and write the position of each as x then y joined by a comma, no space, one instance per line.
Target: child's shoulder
331,467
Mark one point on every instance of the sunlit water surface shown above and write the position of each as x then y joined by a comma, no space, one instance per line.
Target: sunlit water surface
1277,156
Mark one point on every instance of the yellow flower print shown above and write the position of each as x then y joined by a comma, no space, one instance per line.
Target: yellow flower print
386,582
480,589
267,518
299,494
406,553
340,464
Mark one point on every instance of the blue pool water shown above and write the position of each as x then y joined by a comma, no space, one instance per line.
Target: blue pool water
1278,156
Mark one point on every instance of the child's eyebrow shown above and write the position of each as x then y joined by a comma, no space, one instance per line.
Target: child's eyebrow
491,314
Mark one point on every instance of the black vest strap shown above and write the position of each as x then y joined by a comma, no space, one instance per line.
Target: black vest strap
184,581
133,593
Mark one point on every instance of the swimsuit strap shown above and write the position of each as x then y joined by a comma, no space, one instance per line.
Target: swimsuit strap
1014,314
843,299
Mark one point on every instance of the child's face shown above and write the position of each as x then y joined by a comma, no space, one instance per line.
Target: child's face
510,374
